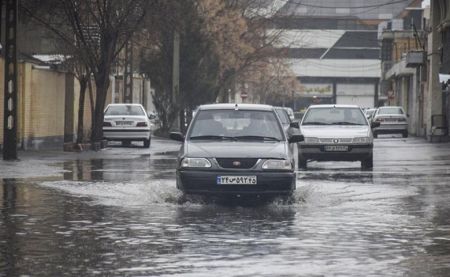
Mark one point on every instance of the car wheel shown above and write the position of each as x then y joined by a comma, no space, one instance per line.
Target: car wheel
147,143
302,163
367,163
375,135
405,134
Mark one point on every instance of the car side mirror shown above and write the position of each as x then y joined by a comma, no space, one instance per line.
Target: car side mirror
296,138
295,125
374,124
177,136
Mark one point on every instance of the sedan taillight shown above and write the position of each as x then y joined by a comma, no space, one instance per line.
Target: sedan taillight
107,124
141,124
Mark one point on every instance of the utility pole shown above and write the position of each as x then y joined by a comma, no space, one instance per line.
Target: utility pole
128,73
176,99
10,82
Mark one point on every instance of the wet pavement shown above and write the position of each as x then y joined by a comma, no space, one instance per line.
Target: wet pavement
117,213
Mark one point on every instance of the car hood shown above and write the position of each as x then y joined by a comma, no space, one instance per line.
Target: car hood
234,149
335,131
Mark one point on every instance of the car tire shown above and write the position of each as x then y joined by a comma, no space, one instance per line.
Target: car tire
302,163
367,163
405,134
375,135
147,143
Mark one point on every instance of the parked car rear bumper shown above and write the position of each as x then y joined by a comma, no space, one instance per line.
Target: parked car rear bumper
127,134
386,128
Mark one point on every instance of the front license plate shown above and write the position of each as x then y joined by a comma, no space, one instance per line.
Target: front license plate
236,180
336,148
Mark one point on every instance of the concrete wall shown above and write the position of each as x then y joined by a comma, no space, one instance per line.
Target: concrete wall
41,107
43,114
48,106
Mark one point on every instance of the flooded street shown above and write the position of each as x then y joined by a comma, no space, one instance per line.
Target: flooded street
120,214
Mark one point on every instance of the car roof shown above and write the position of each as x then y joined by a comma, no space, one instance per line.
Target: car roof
386,107
228,106
334,106
123,104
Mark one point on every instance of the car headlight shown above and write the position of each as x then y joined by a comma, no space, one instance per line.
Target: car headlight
277,164
311,140
195,162
361,140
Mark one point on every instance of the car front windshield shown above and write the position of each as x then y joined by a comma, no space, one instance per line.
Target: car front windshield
334,116
236,125
124,110
391,110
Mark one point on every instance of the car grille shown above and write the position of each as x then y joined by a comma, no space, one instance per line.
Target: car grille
243,163
335,140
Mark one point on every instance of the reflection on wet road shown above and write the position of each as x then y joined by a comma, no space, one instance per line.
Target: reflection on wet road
122,217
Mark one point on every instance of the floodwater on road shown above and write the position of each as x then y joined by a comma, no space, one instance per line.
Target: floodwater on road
123,217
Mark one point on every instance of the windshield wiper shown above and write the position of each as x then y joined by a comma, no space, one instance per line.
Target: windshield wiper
212,137
346,123
315,123
258,138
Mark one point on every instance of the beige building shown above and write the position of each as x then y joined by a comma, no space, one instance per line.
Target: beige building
47,111
438,60
47,107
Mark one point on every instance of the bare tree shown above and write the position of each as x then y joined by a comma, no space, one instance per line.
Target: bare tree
95,31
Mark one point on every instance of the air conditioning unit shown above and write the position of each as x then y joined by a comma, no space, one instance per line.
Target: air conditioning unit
415,58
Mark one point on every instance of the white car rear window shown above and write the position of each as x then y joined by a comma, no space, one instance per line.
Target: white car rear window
124,110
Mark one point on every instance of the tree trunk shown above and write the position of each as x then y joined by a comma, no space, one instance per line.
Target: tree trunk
80,131
102,85
101,76
91,97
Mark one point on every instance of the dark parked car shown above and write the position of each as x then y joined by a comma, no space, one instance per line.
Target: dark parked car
236,149
286,120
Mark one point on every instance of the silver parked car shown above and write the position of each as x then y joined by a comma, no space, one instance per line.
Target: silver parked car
336,133
392,119
126,123
369,113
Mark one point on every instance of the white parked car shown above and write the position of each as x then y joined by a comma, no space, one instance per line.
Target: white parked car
126,123
369,113
336,133
392,119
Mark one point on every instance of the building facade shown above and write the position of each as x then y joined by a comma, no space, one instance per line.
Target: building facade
403,66
438,60
332,47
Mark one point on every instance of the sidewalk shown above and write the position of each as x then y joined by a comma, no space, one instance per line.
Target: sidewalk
45,163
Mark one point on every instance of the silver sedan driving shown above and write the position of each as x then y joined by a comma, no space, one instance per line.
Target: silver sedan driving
336,133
